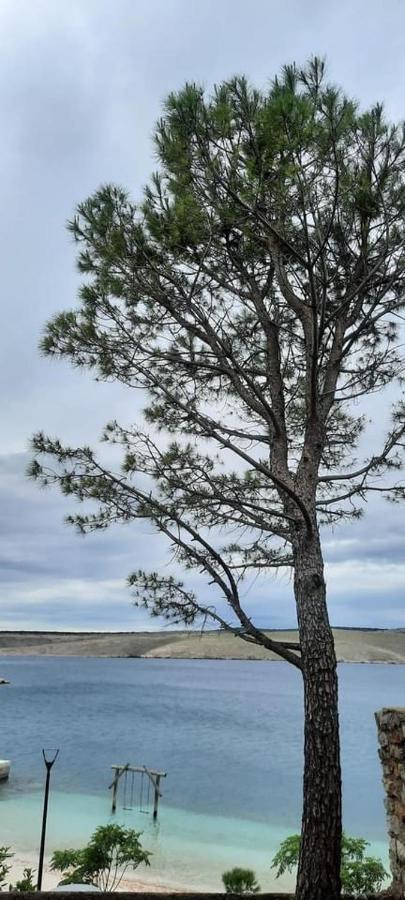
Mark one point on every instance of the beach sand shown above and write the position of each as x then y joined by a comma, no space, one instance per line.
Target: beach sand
147,878
132,882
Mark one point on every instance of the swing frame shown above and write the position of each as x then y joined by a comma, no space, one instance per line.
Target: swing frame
153,779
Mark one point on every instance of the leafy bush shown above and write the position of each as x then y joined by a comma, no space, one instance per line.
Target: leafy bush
360,874
240,881
111,850
25,883
287,855
4,868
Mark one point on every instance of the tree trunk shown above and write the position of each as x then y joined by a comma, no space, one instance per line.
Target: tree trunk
319,866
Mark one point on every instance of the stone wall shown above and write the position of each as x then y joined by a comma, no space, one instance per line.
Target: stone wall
123,895
391,736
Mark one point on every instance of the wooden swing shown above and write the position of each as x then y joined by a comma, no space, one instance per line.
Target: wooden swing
128,773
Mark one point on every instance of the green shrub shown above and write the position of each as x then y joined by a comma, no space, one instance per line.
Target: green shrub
240,881
360,874
25,883
111,850
4,868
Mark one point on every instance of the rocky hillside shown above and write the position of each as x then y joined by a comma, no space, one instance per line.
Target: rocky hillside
352,645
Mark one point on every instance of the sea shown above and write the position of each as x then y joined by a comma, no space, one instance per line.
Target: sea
229,735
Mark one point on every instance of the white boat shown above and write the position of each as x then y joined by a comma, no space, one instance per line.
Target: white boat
4,769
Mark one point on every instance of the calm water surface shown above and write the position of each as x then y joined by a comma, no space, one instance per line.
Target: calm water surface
228,733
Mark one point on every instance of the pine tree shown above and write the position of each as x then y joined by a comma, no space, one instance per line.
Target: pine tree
255,295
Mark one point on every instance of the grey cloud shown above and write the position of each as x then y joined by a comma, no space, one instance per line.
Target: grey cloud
50,574
40,555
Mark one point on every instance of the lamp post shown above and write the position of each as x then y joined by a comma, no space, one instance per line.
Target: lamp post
49,755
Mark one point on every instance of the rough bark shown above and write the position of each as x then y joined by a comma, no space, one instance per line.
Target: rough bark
319,867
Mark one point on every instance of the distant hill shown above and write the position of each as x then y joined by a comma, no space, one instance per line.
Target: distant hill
352,645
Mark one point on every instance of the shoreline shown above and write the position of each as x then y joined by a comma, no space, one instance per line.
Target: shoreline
187,855
131,883
147,657
190,850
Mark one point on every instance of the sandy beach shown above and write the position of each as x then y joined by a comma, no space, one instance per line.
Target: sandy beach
132,882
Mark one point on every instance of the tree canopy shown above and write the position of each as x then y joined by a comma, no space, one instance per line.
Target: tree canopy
255,297
256,294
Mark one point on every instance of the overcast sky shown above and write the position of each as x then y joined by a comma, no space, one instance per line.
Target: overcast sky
81,84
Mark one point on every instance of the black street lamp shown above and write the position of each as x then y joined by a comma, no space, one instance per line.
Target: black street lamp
49,755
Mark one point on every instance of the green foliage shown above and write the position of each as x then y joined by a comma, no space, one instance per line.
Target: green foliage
240,881
261,279
360,874
4,868
26,884
111,850
287,855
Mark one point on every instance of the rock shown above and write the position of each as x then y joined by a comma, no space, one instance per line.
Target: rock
400,850
391,734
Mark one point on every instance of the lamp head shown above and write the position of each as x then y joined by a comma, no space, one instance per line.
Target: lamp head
50,754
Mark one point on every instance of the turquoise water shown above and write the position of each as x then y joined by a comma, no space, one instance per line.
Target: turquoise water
228,733
188,848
